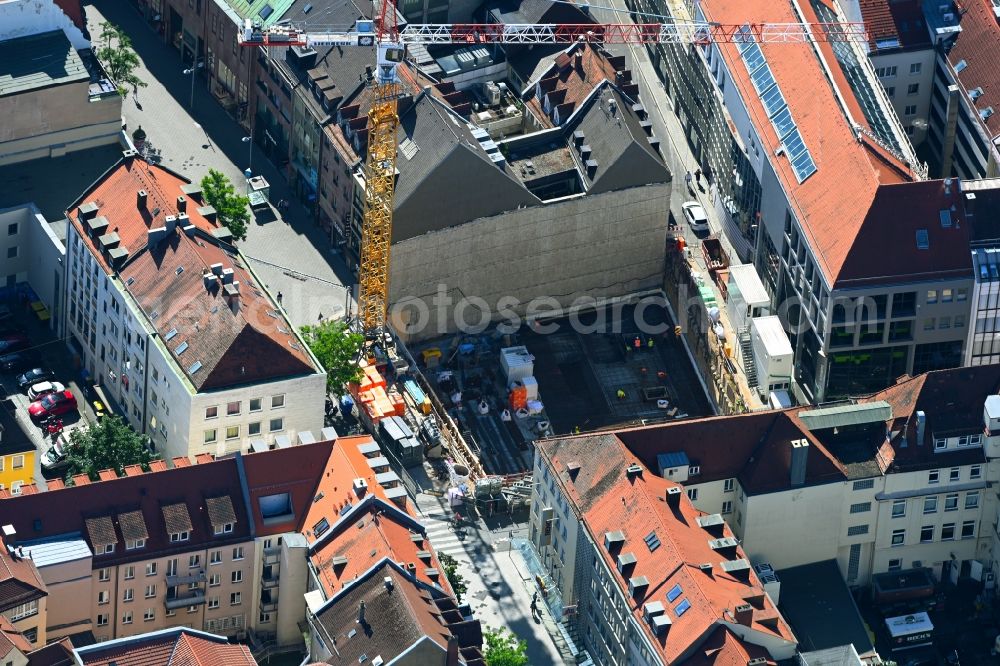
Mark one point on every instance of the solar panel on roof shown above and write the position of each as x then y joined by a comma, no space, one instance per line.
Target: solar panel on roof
804,166
783,123
794,145
753,57
773,101
762,79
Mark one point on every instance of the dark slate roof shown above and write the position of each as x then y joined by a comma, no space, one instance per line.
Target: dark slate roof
451,166
535,11
15,439
396,617
69,510
624,155
39,61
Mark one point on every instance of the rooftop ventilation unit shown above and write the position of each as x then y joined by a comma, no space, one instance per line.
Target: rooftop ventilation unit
986,113
976,93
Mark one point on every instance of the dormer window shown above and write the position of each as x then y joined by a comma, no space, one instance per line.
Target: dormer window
135,544
179,536
224,529
109,548
940,443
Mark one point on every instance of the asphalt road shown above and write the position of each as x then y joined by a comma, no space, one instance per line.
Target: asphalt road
289,253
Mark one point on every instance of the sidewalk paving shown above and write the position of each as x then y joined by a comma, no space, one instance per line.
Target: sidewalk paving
290,255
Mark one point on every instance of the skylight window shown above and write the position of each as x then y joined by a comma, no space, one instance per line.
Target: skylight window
923,239
182,347
674,592
652,541
683,607
170,334
195,367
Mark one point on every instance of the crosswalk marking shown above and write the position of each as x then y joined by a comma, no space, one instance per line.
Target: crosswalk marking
443,538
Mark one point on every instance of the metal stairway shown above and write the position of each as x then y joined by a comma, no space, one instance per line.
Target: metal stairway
746,355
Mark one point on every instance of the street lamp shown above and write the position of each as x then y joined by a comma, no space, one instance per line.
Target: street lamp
248,139
190,72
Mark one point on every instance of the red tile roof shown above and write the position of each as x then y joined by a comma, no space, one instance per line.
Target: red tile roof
977,44
20,581
911,207
364,530
297,470
171,647
952,401
397,616
751,447
724,648
902,20
832,204
68,510
222,340
610,500
11,639
570,80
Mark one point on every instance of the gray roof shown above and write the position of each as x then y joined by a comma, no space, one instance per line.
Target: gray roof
620,146
535,11
39,61
57,550
449,165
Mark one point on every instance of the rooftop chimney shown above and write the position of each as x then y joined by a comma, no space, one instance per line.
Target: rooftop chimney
387,581
921,427
744,614
573,469
216,268
361,612
452,657
674,497
181,204
140,199
227,275
170,223
800,456
970,204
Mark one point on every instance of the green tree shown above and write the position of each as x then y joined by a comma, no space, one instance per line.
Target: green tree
230,207
504,649
455,579
337,349
109,444
119,58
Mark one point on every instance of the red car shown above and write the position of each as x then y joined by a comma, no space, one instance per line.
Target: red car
53,404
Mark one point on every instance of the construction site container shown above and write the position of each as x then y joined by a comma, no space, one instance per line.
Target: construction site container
431,357
531,386
517,363
398,440
747,296
772,354
414,391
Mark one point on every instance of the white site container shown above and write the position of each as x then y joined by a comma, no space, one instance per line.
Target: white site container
517,363
772,354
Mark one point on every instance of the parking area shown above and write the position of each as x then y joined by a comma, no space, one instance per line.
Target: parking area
32,345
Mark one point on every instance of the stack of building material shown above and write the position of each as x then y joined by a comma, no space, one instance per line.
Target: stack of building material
518,397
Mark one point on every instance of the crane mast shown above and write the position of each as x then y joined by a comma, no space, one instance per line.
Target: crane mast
390,43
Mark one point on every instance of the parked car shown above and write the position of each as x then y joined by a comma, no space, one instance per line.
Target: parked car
695,215
54,458
53,404
12,342
18,361
44,388
32,377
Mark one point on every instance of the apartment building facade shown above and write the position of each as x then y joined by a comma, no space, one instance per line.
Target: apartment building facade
647,577
170,320
818,258
127,556
963,124
894,481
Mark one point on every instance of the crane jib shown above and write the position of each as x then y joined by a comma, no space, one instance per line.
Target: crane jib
695,32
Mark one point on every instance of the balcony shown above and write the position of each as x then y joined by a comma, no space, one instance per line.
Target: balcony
269,582
272,555
196,599
268,606
193,576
